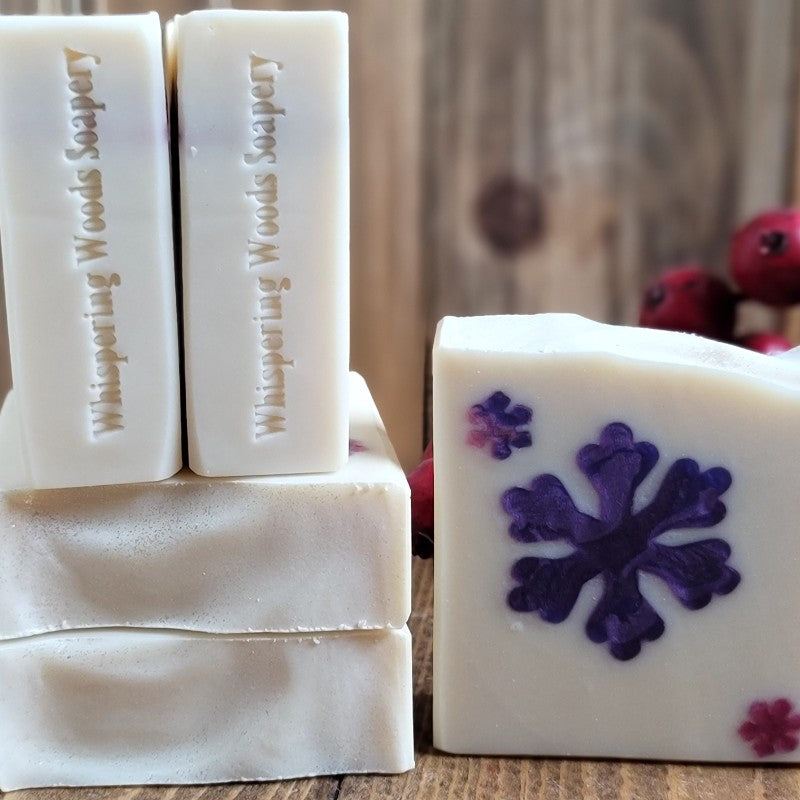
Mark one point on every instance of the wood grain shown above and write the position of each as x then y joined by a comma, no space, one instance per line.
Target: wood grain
649,128
387,313
308,789
646,131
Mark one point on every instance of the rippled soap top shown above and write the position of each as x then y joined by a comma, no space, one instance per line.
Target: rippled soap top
570,334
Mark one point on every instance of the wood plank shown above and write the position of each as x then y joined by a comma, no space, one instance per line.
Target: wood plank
304,789
768,124
646,130
643,127
387,316
791,319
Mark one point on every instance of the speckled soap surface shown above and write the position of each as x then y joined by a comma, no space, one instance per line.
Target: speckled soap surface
616,543
300,552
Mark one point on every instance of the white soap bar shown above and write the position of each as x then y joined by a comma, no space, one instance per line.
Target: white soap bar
134,707
264,148
86,225
301,552
617,515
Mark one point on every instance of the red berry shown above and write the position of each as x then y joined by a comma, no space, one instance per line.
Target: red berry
420,479
692,300
765,257
768,343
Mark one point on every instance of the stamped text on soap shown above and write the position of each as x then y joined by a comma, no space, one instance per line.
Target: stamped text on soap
263,250
83,151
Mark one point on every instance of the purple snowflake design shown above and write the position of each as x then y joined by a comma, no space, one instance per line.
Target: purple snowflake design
497,423
621,543
771,727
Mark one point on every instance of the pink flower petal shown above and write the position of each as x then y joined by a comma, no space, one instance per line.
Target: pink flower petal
763,748
781,707
748,731
477,438
793,722
759,713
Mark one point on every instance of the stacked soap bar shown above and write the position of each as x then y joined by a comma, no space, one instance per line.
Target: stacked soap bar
199,630
216,555
248,622
111,707
617,515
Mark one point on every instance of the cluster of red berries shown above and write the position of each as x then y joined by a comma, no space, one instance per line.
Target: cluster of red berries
764,263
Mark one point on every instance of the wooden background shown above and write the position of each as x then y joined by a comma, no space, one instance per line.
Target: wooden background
540,155
525,156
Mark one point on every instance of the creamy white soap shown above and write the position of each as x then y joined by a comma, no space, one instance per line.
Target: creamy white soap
616,543
264,148
281,553
139,707
86,225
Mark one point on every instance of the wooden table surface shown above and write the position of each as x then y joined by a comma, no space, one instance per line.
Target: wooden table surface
438,776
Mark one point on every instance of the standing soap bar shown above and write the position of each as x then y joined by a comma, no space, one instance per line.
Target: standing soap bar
263,132
616,514
86,226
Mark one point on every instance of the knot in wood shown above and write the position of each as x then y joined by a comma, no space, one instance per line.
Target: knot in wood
510,214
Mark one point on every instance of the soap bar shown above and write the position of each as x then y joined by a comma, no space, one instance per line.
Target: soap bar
86,224
617,514
134,707
280,553
264,148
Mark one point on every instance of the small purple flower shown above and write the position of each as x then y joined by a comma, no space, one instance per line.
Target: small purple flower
497,423
357,447
771,727
621,542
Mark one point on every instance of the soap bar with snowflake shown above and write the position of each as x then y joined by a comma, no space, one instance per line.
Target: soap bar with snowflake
616,543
